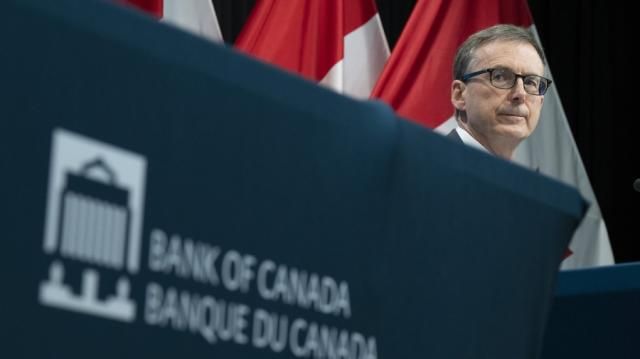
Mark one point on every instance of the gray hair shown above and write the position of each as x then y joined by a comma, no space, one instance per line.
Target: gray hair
497,33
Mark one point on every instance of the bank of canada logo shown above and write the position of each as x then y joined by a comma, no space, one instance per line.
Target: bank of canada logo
94,220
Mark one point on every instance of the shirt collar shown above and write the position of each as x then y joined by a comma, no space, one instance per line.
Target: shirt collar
469,140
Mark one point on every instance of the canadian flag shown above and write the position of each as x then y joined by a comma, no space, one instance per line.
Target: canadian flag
338,43
195,16
417,79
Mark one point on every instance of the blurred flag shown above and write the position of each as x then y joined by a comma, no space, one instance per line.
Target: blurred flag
417,79
195,16
338,43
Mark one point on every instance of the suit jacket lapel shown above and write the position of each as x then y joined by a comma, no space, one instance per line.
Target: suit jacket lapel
454,136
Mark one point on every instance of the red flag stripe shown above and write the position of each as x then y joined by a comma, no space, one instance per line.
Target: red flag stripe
284,33
304,37
357,13
153,7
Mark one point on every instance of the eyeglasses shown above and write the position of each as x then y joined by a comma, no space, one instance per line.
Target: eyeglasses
504,78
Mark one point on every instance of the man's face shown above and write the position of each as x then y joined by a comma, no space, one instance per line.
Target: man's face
496,115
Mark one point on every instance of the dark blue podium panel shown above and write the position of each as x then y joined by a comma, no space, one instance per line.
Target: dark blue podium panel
595,314
163,196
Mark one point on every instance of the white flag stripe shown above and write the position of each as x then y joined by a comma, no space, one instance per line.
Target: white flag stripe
334,79
195,16
552,149
590,244
365,53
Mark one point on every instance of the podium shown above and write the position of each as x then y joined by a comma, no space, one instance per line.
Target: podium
167,197
595,313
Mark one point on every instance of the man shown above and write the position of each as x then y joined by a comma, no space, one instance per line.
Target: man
498,89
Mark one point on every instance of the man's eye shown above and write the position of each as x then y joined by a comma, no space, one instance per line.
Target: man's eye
498,76
532,81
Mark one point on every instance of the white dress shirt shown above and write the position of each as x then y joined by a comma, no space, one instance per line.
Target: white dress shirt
468,140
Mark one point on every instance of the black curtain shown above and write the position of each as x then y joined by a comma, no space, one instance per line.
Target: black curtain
589,49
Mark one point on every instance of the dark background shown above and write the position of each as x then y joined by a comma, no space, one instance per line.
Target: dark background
589,48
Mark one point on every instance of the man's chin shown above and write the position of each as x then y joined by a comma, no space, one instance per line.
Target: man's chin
517,132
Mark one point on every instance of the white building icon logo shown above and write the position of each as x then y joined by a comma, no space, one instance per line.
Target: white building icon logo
94,217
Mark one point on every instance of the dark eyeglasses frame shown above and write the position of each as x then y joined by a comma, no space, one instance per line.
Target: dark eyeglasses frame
468,76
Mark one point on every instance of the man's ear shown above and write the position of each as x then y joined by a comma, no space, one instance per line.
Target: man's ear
457,98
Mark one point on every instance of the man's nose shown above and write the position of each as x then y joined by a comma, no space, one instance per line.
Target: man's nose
517,91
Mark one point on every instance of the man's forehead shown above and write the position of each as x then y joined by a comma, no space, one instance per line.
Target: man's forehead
496,52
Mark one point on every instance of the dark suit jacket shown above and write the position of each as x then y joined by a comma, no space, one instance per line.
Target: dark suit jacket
454,136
